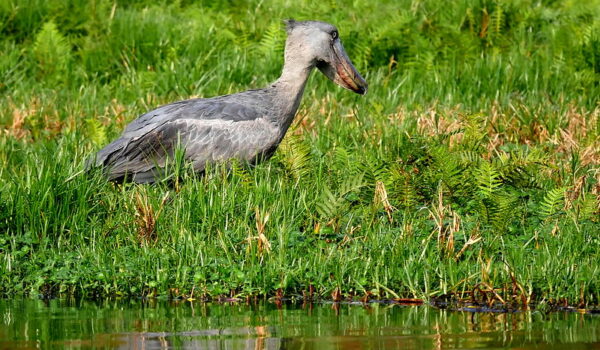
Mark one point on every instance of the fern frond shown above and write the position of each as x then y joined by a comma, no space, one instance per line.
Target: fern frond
295,156
374,170
272,41
487,179
95,131
474,131
553,202
448,167
244,41
468,158
352,184
241,173
405,192
329,204
588,208
342,158
502,209
497,19
362,53
470,18
51,49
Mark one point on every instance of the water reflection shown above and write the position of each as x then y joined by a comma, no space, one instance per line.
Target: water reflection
164,325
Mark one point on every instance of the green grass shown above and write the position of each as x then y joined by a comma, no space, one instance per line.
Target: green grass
472,163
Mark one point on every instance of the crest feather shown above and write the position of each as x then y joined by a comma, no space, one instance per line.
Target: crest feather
289,24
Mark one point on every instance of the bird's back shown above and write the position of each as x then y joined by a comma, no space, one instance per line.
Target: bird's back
208,130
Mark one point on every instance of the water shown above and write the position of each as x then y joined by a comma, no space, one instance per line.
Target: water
162,325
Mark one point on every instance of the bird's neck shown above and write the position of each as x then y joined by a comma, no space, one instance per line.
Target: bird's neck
289,89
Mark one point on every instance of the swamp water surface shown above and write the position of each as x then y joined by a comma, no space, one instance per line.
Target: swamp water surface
161,325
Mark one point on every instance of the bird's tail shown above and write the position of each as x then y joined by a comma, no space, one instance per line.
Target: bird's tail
105,157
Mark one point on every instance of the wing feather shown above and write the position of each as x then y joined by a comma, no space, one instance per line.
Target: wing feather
204,141
215,129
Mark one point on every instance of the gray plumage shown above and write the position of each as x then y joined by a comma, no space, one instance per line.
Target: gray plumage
247,126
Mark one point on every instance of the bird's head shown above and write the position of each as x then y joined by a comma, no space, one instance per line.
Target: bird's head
319,42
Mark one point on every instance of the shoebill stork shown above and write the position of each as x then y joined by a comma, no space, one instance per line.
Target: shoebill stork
247,126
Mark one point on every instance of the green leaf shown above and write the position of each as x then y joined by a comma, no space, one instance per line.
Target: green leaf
553,202
51,50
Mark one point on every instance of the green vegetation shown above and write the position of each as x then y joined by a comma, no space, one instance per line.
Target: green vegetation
471,165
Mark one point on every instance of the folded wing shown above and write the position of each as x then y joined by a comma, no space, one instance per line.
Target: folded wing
210,130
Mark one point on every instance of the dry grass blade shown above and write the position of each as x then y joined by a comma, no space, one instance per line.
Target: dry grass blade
17,128
263,244
438,213
472,240
445,232
147,217
525,298
490,290
336,295
381,197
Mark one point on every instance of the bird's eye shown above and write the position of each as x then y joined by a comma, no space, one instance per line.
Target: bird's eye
334,34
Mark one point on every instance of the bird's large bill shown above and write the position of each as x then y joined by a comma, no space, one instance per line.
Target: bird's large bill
342,72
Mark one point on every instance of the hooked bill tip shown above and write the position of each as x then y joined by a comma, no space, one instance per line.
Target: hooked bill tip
359,85
351,81
362,90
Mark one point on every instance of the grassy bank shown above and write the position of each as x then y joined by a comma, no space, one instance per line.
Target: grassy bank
471,165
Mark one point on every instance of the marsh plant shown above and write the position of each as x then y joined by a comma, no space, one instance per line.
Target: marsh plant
471,169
